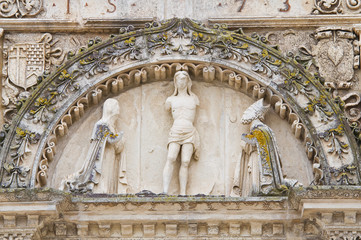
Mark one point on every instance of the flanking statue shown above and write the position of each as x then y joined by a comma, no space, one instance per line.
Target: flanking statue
183,136
259,169
103,170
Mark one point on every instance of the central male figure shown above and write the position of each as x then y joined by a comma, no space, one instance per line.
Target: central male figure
183,137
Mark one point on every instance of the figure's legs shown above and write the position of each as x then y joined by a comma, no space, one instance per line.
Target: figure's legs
187,152
173,151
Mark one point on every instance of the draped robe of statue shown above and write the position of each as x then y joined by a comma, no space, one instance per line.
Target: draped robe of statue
259,169
103,170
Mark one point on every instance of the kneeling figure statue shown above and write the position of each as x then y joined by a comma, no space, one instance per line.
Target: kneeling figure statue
259,168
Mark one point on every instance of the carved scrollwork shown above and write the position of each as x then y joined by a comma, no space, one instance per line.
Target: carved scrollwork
353,4
352,106
305,57
327,6
335,6
20,8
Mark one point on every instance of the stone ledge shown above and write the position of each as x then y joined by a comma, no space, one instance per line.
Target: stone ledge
48,25
49,213
112,25
289,22
295,194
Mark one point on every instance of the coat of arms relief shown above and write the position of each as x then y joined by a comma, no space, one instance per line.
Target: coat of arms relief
336,57
337,54
24,63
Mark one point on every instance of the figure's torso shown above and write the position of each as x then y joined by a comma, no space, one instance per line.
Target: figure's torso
183,110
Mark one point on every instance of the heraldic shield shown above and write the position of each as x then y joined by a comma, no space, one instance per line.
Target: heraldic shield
26,62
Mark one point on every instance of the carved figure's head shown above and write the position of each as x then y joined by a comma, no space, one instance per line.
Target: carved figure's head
111,108
182,81
256,111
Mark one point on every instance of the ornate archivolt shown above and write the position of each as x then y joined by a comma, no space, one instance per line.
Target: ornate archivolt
119,82
133,57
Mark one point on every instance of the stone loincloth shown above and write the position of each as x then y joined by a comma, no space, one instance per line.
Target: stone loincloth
183,136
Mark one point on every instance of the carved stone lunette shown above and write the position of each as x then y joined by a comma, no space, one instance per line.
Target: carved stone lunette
232,47
117,83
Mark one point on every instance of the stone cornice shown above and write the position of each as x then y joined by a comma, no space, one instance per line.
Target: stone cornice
299,195
67,25
289,22
48,213
48,25
110,25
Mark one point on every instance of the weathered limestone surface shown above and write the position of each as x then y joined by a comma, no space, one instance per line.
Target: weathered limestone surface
63,62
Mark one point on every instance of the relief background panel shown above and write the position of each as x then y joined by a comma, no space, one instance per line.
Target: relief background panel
146,126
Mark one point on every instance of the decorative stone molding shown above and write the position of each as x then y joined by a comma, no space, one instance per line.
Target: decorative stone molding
314,216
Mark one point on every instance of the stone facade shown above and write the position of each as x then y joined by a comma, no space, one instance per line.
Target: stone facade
180,119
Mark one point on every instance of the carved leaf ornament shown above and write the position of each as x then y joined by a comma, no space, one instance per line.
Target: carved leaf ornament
226,56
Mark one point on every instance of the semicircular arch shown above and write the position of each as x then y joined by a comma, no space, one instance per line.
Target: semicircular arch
124,80
231,57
